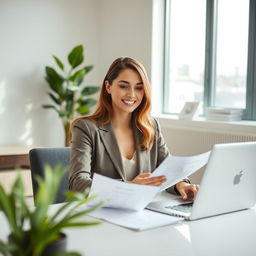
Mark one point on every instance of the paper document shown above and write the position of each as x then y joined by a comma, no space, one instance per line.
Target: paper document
136,197
176,168
119,194
139,221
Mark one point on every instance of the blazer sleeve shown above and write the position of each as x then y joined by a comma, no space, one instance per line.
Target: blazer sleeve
81,154
162,149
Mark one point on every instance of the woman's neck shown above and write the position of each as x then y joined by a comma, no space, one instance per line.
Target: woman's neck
121,120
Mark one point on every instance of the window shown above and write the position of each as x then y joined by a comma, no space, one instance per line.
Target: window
210,54
186,44
231,50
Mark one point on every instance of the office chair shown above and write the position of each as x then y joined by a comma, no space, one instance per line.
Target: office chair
39,157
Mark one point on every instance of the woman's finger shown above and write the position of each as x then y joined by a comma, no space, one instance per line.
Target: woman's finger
183,193
143,175
154,181
192,191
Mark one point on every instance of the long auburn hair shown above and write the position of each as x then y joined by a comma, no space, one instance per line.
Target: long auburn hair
104,111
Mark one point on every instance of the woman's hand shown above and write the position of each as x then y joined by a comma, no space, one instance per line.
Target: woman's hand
144,179
188,191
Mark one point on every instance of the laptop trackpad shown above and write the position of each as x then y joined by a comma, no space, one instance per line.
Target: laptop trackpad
171,207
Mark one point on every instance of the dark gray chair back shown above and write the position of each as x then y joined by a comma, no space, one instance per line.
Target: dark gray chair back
39,157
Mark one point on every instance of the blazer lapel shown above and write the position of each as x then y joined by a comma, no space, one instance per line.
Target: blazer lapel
110,143
142,156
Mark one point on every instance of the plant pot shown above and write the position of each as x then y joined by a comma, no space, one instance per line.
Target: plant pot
59,245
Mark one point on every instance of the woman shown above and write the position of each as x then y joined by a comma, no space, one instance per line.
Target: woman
120,140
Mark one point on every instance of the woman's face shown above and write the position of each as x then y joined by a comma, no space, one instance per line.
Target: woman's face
126,91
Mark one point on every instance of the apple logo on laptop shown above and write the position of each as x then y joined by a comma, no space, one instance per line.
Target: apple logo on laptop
237,178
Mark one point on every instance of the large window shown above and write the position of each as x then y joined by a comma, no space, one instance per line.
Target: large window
210,54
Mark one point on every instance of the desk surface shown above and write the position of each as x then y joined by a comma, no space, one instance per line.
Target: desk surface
230,234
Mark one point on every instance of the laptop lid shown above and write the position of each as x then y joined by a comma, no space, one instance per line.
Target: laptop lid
228,183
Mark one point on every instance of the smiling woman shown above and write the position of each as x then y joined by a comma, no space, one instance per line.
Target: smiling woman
120,140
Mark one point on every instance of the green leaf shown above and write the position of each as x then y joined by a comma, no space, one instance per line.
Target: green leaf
46,194
59,63
54,80
89,102
49,106
76,57
74,196
22,211
83,110
7,205
69,106
79,224
66,254
6,248
87,69
77,76
73,88
63,113
54,98
89,90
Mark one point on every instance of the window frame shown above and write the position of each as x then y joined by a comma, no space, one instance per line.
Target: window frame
249,112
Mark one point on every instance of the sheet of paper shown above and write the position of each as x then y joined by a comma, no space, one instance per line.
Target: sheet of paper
122,195
176,168
141,220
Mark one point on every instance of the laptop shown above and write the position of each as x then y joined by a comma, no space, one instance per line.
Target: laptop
228,184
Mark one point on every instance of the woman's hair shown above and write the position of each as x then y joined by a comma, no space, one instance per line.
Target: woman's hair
104,111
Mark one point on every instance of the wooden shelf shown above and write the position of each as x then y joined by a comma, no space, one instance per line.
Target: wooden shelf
12,156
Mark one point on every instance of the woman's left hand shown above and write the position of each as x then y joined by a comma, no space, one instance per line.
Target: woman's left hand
187,191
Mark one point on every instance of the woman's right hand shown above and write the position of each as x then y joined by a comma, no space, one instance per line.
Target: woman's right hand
144,179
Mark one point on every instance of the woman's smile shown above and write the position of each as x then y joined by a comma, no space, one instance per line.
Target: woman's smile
128,102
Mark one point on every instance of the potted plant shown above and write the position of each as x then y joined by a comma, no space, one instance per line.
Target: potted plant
34,231
67,94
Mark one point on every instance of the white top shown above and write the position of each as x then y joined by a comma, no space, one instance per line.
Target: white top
130,167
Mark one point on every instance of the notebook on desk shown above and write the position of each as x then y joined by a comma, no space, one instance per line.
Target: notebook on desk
228,184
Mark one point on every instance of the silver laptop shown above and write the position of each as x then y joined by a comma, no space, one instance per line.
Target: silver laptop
228,184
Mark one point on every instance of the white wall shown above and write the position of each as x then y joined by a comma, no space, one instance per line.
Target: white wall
126,29
31,31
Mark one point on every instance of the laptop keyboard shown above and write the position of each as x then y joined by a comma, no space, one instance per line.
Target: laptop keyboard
181,207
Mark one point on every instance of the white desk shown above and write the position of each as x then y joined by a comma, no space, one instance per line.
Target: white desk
230,234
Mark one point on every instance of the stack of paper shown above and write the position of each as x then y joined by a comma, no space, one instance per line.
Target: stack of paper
136,220
224,114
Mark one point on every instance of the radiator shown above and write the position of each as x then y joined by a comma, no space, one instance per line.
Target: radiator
185,142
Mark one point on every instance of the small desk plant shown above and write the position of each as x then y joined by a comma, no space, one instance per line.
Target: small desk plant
35,232
69,97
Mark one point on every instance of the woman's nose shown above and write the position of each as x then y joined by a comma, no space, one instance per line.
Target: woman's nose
131,92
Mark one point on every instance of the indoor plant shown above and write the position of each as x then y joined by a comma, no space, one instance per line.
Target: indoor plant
33,230
67,94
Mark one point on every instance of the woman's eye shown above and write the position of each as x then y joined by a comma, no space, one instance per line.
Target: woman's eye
139,88
123,86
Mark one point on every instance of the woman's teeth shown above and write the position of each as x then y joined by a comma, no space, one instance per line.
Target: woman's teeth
129,102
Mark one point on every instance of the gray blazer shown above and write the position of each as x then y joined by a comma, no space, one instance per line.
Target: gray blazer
95,149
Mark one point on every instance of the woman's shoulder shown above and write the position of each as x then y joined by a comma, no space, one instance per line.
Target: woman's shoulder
86,124
156,125
155,122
